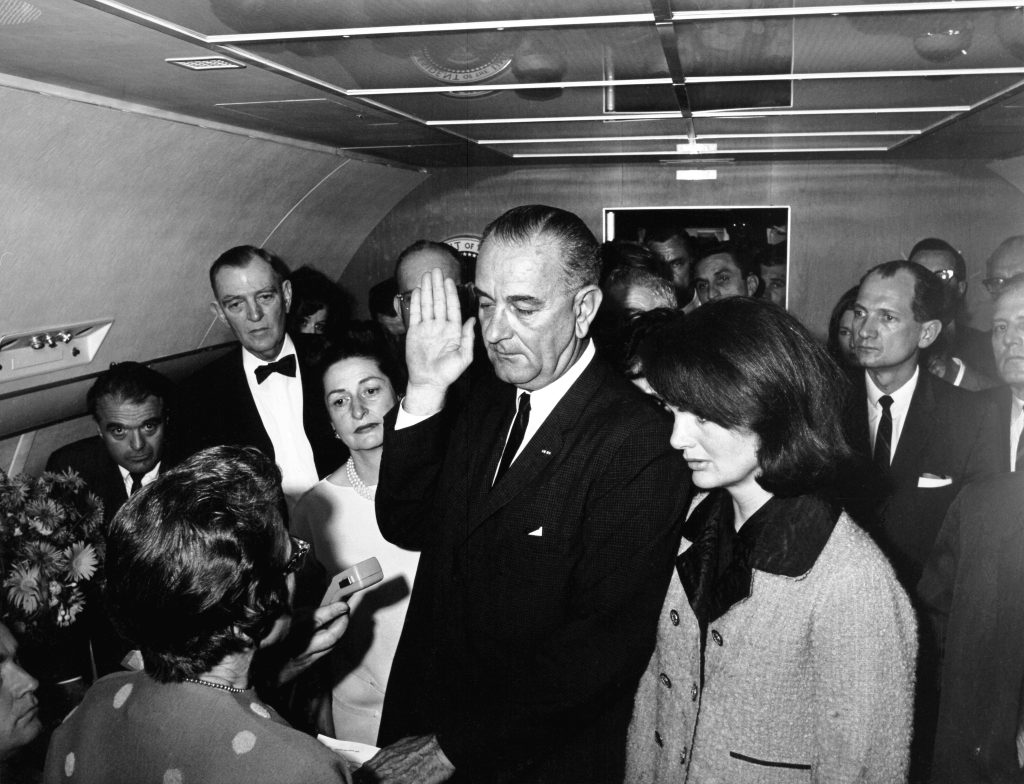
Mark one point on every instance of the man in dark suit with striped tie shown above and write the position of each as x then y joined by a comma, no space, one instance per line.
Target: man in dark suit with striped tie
130,405
923,438
548,513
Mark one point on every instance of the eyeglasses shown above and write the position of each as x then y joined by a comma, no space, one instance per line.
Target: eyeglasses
945,275
299,549
464,289
995,285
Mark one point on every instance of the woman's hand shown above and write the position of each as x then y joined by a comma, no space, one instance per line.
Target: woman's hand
328,624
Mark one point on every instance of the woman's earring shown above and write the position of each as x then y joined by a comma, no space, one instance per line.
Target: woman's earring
336,434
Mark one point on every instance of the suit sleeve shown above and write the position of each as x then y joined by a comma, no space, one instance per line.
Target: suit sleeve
935,589
631,527
410,469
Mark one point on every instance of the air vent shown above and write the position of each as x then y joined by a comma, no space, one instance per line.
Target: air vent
205,63
14,12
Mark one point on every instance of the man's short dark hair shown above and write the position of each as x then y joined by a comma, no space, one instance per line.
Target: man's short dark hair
244,255
382,298
664,232
746,363
439,247
195,562
935,245
577,247
129,381
744,261
929,302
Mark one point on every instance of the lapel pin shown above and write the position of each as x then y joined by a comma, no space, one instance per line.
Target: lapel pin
545,451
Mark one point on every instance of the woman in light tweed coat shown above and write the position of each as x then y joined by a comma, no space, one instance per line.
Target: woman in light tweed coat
786,647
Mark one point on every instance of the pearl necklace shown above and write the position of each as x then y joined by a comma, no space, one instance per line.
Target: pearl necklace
369,493
212,685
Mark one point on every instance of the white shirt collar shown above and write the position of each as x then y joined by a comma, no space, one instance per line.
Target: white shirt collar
546,398
148,477
900,398
250,361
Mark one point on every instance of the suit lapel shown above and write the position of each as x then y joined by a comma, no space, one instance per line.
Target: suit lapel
540,450
247,416
918,428
1004,415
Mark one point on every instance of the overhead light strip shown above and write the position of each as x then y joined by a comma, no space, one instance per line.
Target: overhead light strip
823,76
672,137
675,153
842,10
653,116
604,20
418,29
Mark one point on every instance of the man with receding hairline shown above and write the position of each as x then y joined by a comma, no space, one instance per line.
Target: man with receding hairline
547,511
261,395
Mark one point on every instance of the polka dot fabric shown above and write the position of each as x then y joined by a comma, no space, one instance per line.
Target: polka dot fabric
131,729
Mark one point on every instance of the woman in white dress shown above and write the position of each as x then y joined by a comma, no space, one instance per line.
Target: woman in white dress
337,516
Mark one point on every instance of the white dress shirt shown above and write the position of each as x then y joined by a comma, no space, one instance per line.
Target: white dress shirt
279,403
542,401
900,405
1016,425
126,477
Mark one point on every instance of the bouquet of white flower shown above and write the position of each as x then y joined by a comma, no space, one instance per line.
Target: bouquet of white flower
51,543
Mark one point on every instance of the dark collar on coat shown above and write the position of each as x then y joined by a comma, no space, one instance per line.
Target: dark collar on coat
783,537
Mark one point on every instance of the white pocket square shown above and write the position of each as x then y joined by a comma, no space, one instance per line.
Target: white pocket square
538,532
927,480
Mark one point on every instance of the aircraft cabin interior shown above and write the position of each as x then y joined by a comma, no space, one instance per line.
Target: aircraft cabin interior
145,137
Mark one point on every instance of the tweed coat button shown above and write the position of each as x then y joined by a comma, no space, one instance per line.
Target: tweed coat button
716,637
674,617
693,692
657,738
682,756
665,680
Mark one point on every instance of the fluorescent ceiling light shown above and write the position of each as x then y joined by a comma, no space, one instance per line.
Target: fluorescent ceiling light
707,113
696,149
823,76
763,151
214,63
671,137
696,174
414,29
837,10
478,86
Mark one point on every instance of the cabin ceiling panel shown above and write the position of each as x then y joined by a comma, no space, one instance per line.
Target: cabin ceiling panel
429,83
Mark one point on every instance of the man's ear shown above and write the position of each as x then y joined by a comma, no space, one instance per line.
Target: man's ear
286,290
585,303
218,311
929,333
753,283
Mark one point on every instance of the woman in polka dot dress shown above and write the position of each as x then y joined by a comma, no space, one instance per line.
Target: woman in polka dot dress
199,577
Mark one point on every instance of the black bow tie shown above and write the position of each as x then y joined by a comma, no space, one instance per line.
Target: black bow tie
285,366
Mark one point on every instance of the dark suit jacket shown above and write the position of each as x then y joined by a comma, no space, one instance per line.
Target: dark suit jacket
90,459
1000,399
948,432
523,652
974,587
219,409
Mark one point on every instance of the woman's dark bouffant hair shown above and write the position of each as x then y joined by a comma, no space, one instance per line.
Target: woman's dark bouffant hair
195,562
365,339
744,363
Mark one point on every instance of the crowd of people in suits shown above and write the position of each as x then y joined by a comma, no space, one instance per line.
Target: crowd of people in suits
636,524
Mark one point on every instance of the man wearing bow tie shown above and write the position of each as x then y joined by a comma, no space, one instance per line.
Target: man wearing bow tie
261,395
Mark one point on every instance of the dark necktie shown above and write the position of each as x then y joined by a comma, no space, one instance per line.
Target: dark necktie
883,438
285,366
1019,465
515,436
136,483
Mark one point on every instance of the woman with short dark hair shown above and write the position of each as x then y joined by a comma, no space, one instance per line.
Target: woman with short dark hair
199,577
786,647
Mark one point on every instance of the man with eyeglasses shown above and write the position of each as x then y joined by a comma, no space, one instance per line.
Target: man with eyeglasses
1005,264
418,259
965,351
